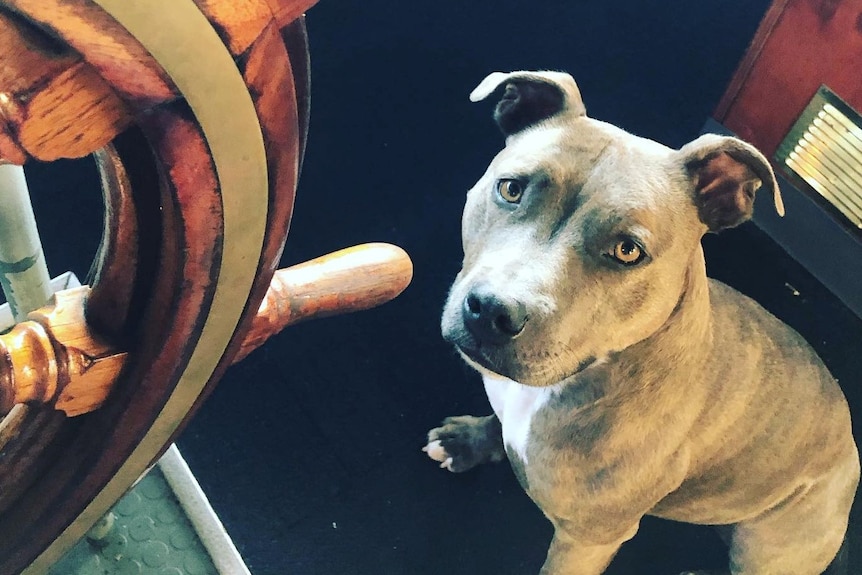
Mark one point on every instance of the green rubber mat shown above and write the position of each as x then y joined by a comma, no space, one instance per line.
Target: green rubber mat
163,526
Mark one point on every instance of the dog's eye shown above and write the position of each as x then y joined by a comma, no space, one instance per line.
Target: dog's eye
510,190
627,252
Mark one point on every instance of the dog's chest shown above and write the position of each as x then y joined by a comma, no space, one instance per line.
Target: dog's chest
516,405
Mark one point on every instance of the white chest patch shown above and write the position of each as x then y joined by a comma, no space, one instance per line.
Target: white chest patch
515,405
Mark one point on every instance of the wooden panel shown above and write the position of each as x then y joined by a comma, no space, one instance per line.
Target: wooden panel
800,45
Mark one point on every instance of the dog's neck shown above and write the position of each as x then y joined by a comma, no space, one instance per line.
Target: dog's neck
681,344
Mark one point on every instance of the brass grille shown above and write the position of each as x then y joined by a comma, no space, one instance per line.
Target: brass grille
824,148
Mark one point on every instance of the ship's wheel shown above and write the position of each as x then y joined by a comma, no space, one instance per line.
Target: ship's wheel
196,113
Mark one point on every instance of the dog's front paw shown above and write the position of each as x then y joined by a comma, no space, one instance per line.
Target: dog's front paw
465,441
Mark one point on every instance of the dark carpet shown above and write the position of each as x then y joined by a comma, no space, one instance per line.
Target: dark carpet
310,449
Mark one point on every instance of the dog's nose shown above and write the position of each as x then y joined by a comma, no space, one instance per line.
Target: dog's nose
493,319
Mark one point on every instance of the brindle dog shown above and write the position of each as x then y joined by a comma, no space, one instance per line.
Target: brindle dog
623,381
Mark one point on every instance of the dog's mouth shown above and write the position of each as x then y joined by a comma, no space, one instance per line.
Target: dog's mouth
485,360
476,355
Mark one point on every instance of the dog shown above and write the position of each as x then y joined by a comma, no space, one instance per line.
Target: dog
623,381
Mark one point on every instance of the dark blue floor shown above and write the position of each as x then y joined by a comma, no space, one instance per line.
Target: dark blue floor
322,472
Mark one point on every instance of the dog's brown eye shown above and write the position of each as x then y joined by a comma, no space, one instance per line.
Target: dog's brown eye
510,190
627,252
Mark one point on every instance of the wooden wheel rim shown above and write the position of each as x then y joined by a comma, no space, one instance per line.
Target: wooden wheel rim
179,37
253,213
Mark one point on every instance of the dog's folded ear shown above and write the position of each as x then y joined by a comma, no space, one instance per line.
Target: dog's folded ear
530,97
725,173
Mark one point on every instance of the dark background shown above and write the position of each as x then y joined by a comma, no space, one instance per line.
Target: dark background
321,472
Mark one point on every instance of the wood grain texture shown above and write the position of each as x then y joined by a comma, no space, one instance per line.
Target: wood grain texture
52,104
115,269
52,474
799,46
55,358
88,365
288,11
59,103
31,437
266,68
182,288
71,116
238,22
30,57
295,38
105,45
346,281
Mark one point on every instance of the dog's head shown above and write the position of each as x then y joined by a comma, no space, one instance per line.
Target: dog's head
579,238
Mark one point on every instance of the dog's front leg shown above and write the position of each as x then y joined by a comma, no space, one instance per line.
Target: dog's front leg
570,556
465,441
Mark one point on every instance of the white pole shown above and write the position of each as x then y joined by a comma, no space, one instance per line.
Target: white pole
23,273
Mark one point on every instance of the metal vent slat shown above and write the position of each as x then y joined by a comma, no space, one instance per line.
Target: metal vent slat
837,144
824,148
812,173
853,129
846,180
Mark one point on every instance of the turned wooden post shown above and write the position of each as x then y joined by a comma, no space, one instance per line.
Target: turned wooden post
55,358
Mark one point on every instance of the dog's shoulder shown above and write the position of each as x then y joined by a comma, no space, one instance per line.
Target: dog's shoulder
733,310
741,326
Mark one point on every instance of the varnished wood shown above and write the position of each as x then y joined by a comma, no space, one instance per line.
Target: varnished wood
52,492
57,360
108,47
28,372
283,121
116,265
30,440
295,37
798,47
161,261
289,11
239,22
52,103
349,280
59,103
167,333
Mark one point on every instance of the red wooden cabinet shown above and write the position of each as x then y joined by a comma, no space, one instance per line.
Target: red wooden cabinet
800,45
807,54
